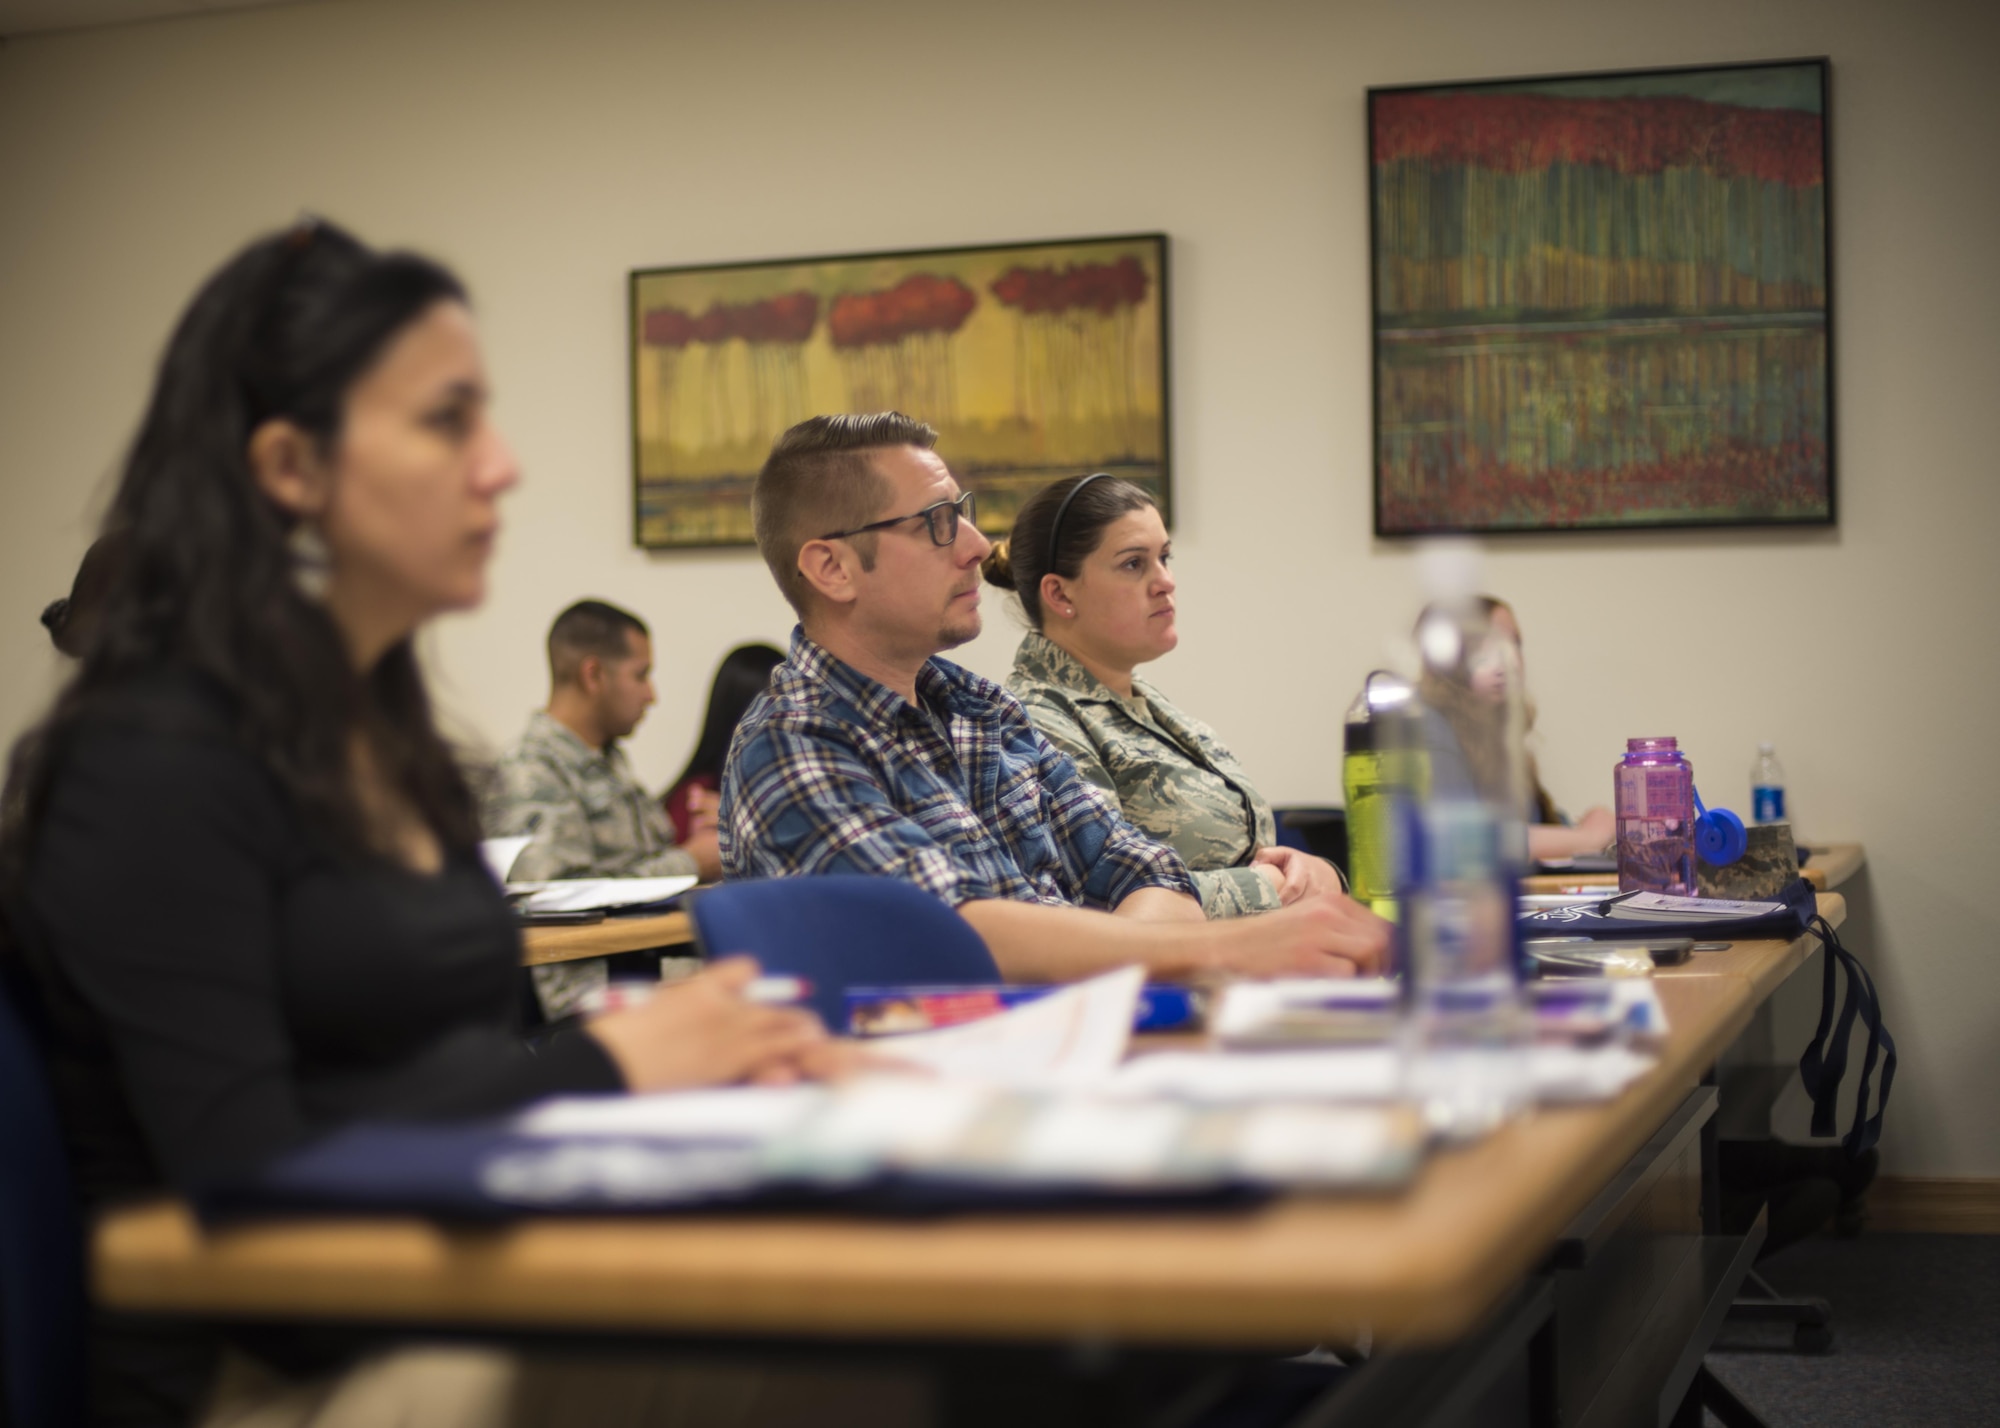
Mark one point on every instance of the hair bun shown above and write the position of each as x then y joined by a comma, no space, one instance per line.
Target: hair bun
998,566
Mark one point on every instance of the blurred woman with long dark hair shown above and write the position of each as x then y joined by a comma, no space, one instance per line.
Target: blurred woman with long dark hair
743,675
239,867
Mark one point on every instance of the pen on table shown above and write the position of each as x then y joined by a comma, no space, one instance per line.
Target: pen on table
766,991
778,991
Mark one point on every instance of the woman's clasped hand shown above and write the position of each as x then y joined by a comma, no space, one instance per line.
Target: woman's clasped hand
704,1031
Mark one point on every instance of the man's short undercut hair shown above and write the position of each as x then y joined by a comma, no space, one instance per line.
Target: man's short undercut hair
589,628
817,479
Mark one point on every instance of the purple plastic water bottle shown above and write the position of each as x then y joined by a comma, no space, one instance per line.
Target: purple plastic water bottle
1655,797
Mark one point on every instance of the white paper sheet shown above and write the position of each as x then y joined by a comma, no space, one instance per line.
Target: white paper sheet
1072,1038
744,1113
585,894
501,853
1660,907
1347,1073
1249,1011
1567,1075
1559,1075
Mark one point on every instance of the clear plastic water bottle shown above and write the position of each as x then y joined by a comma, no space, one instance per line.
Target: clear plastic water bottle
1382,770
1469,1028
1767,787
1655,808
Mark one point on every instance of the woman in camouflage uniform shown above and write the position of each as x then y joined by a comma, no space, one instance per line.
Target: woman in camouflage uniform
1089,560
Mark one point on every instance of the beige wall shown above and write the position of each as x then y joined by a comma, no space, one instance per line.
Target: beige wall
548,148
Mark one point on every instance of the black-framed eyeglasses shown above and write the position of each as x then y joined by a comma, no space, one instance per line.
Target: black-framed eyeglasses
942,518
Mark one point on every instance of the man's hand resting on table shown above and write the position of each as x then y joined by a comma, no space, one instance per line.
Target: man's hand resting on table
1319,935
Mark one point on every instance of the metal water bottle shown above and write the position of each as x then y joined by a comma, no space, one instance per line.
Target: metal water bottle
1655,807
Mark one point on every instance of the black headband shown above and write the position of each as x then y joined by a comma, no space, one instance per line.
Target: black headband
1055,528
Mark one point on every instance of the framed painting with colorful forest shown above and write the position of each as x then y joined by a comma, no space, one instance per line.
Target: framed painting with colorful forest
1033,361
1601,301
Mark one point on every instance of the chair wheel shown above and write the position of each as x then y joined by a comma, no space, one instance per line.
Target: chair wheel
1812,1339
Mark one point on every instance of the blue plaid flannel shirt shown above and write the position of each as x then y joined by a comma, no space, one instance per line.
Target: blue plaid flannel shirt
831,772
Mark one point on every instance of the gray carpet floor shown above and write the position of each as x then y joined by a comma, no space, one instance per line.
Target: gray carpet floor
1916,1336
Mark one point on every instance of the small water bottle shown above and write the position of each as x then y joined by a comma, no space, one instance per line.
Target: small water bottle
1767,787
1655,806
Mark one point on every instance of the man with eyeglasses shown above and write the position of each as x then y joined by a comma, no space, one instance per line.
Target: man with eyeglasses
868,754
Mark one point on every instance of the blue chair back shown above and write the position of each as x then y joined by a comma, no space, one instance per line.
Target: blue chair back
41,1244
842,931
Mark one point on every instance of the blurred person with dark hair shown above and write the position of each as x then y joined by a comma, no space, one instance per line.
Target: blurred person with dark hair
1468,756
72,620
243,899
744,674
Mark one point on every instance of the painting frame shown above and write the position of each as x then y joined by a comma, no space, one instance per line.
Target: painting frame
1417,492
1146,416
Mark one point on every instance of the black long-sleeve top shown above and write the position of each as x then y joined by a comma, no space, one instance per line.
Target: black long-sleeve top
219,983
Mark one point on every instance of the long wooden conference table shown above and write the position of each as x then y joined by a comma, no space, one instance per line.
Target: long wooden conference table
1459,1280
1828,867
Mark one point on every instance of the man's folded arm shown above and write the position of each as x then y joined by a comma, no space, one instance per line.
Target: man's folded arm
1037,942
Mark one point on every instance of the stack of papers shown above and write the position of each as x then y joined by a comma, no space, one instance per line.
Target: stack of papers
1558,1074
1034,1106
592,894
1072,1038
575,894
1032,1097
1661,907
963,1133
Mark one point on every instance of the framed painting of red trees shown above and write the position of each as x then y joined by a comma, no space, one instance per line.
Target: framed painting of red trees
1033,361
1600,301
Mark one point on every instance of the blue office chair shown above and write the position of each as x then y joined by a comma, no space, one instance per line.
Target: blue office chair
41,1244
842,931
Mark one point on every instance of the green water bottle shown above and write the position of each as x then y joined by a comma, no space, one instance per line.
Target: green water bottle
1383,767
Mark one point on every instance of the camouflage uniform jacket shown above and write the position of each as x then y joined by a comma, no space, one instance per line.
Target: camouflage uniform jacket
1169,774
590,818
589,815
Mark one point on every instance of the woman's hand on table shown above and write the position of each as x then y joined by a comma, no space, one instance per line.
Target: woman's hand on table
705,1032
706,850
1297,874
703,809
1597,828
1588,836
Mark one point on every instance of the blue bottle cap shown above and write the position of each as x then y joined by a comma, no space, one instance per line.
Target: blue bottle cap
1719,837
